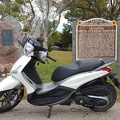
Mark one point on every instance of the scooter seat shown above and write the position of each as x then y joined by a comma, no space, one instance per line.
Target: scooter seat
62,72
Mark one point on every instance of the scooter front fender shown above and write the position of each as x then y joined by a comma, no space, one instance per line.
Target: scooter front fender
8,83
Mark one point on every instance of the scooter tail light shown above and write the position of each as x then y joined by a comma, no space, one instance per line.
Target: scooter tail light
117,82
106,69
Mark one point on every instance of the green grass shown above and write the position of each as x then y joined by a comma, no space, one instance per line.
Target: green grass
63,57
113,67
45,70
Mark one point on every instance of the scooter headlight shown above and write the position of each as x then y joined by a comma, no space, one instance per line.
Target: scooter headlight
28,49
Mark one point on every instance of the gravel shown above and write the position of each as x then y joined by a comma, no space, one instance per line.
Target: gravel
26,111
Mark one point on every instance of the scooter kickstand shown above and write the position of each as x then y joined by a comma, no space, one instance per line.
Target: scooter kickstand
49,112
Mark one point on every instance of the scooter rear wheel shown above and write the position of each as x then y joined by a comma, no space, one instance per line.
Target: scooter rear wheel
9,99
112,96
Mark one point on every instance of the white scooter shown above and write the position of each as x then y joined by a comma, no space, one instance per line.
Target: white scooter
83,82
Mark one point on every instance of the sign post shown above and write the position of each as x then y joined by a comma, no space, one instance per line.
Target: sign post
118,47
73,39
96,39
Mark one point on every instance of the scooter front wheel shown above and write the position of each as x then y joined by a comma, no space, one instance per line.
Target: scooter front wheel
10,98
111,96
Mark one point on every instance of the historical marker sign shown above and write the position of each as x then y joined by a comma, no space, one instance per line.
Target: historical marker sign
96,38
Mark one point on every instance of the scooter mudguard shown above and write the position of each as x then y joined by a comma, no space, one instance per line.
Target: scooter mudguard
8,83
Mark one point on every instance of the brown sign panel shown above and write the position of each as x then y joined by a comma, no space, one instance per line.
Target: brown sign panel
96,38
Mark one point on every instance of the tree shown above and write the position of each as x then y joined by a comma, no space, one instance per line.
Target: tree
66,36
15,9
56,36
50,11
113,9
86,9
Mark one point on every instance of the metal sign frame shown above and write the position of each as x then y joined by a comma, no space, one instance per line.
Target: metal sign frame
97,26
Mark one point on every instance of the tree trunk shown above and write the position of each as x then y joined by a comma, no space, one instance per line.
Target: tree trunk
45,45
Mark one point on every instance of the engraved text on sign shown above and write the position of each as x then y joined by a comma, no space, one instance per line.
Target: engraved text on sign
96,39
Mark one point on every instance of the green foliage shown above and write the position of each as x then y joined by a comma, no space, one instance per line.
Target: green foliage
2,9
51,25
12,8
14,14
26,28
66,36
54,37
86,9
20,1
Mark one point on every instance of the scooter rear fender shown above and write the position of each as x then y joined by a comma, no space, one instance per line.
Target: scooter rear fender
8,83
114,80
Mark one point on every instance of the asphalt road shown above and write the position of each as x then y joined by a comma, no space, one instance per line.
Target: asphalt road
25,111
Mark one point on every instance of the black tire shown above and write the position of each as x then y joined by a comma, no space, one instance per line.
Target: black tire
9,99
112,96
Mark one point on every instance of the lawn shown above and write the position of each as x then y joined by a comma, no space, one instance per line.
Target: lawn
62,57
45,70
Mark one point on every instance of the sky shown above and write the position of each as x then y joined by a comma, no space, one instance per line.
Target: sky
62,21
60,26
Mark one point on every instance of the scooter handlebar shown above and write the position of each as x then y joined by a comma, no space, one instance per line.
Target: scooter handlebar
51,58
